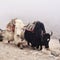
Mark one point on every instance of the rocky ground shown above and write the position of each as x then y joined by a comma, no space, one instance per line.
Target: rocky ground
11,52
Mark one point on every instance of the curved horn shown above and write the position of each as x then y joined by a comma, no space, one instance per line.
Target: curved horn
51,33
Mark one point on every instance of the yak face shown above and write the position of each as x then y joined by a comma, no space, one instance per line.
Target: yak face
46,37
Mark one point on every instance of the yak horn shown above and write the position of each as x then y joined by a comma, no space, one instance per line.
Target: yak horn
51,33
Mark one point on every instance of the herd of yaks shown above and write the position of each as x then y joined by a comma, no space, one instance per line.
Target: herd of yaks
34,34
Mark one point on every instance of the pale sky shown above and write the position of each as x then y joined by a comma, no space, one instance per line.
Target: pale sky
47,11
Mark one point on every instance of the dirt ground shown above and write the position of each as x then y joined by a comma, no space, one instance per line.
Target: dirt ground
12,52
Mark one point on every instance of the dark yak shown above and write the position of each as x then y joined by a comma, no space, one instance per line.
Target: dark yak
37,37
1,36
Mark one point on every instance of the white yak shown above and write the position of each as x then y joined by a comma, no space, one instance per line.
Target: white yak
8,34
13,31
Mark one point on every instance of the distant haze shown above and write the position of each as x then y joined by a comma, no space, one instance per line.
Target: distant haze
46,11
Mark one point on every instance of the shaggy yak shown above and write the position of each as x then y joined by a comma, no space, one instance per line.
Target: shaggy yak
13,31
38,36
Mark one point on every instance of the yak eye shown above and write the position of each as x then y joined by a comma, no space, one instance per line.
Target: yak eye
48,39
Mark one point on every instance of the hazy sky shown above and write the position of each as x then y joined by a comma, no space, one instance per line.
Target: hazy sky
47,11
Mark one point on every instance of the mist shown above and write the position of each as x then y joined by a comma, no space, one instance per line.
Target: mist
46,11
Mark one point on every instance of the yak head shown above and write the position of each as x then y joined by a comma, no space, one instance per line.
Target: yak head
47,36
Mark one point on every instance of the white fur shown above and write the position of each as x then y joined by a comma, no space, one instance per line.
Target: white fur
8,35
18,29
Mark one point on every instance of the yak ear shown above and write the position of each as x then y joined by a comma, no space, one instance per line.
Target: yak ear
51,33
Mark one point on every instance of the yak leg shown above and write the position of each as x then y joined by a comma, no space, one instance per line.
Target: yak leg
33,46
28,43
47,45
37,46
18,41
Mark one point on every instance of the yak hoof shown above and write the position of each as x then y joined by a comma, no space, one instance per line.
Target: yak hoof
1,40
8,41
47,49
40,48
33,48
20,46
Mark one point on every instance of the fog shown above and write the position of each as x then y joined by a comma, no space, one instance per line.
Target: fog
46,11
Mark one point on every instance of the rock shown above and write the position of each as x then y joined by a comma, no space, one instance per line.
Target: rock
54,53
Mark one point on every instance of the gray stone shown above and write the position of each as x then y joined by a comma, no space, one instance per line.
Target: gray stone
54,53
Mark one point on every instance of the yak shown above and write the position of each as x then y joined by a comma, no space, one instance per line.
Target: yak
1,36
37,37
